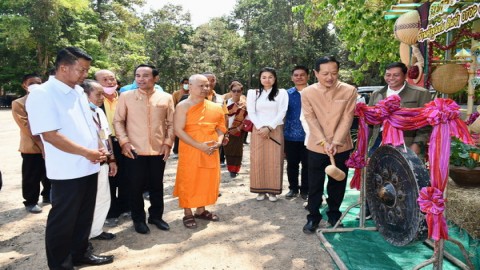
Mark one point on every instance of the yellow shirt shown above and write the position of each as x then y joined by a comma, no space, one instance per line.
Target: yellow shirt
110,106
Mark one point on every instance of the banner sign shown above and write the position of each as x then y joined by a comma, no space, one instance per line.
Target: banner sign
452,21
439,7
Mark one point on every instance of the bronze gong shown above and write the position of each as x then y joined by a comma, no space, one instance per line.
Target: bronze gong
395,176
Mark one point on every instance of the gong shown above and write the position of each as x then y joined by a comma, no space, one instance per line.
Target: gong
395,176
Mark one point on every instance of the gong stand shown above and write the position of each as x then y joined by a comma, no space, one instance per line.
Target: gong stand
387,194
338,261
439,252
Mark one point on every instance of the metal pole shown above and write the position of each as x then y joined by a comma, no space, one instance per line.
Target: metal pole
338,261
439,249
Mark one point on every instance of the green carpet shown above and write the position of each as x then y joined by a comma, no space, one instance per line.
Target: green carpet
368,250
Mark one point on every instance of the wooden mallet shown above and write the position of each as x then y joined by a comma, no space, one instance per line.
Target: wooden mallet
333,171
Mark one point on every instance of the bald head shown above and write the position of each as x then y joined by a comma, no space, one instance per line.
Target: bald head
211,78
196,77
104,72
106,78
198,86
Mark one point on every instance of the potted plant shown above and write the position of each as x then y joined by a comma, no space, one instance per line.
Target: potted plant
464,163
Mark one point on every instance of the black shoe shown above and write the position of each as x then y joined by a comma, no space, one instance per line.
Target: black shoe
310,227
160,223
332,223
141,227
233,174
291,194
304,196
104,236
89,248
34,209
92,259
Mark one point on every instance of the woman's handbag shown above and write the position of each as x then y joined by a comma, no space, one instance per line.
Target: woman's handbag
247,125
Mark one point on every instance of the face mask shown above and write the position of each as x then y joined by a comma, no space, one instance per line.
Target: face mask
109,90
185,87
92,106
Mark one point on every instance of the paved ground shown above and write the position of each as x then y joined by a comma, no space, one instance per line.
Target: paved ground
251,234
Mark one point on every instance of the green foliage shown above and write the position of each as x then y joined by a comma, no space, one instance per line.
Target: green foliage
259,33
278,37
215,47
362,30
460,154
167,34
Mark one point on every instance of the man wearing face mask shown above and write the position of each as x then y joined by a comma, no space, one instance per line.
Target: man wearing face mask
177,97
119,200
31,148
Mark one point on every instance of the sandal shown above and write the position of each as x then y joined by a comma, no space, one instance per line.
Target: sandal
189,222
207,215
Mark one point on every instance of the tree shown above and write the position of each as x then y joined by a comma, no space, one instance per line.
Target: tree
31,35
167,34
278,37
361,28
106,29
215,48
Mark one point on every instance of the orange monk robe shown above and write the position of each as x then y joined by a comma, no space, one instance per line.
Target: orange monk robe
198,174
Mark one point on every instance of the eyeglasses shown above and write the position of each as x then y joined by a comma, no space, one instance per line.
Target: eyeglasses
236,91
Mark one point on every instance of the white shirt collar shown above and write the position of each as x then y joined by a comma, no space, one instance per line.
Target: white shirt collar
395,92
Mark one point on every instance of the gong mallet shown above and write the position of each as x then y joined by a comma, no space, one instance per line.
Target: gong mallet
333,171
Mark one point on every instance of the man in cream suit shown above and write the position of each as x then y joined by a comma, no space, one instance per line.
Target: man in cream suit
328,108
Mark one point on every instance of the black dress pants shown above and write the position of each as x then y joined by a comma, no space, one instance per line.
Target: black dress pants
335,189
119,185
34,173
70,220
296,153
142,171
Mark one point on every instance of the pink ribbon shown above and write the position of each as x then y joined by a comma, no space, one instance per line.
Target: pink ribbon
443,115
432,203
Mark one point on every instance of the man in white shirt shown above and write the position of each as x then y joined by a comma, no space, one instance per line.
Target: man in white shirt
59,113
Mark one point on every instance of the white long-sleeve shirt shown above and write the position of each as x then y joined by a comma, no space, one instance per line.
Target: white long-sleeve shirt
263,112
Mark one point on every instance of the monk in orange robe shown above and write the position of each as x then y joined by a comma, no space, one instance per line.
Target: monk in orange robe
200,125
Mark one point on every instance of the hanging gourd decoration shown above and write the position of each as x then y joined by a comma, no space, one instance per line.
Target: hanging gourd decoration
407,27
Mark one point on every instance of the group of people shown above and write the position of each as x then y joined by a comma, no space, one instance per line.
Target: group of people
100,151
